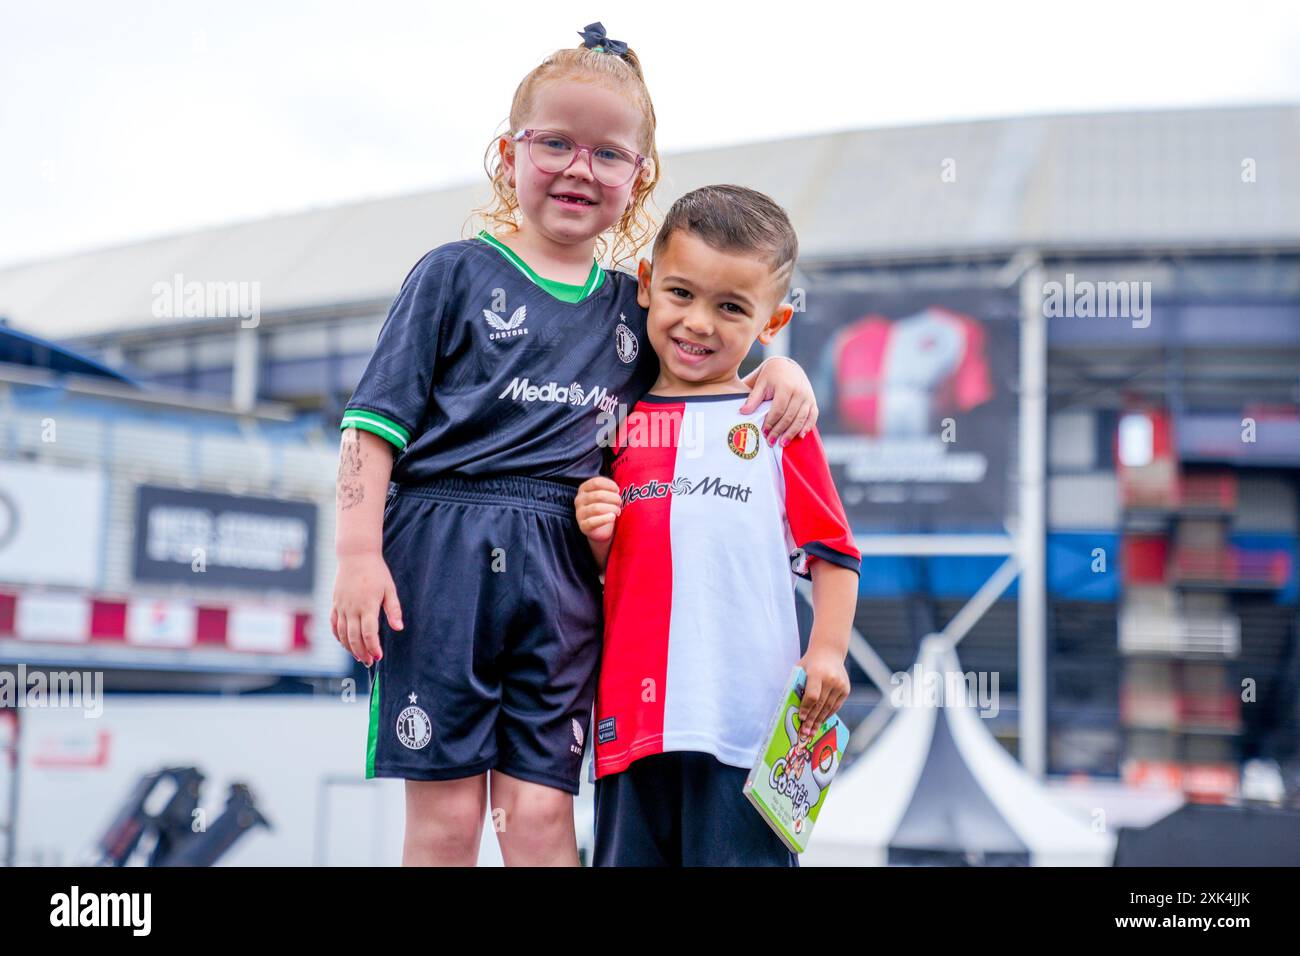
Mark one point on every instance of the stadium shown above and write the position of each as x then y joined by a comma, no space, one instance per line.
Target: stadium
1098,315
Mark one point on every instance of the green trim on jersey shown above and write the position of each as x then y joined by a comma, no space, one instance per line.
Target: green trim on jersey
560,290
372,737
377,424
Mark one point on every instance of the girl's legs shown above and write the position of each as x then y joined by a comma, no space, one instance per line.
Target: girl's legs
444,821
534,822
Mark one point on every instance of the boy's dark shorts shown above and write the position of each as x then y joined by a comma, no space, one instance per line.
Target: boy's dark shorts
682,808
496,666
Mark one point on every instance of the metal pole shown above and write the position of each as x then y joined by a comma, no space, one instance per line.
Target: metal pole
245,373
981,601
15,768
1031,529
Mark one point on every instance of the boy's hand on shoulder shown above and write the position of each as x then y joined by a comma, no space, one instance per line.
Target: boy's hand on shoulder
827,688
598,504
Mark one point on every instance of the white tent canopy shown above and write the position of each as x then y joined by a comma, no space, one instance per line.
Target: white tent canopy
936,787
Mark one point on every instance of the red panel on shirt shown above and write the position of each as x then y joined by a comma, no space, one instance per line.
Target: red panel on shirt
812,505
630,692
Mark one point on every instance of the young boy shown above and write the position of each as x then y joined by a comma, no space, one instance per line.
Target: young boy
698,531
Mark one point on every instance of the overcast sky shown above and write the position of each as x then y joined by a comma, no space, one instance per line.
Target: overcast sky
123,120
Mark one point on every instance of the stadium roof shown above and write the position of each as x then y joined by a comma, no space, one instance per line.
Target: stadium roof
1168,179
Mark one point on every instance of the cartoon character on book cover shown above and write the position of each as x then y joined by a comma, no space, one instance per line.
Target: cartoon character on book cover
791,777
806,769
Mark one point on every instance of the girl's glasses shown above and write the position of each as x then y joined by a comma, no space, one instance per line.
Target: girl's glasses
611,166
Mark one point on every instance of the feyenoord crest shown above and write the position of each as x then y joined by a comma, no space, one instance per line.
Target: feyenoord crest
743,440
414,729
625,343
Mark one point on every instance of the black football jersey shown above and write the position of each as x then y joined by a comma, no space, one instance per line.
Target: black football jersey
484,368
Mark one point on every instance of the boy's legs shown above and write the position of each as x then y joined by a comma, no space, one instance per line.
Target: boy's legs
533,822
719,826
444,821
682,808
638,814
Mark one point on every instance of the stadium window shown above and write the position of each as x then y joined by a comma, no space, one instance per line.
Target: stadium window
213,381
214,351
358,336
350,368
295,362
295,380
169,359
297,342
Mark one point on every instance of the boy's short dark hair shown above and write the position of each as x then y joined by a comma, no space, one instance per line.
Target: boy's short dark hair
735,219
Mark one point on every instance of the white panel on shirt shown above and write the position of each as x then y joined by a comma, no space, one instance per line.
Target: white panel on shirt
733,635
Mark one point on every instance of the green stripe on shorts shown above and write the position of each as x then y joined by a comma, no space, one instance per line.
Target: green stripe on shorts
372,738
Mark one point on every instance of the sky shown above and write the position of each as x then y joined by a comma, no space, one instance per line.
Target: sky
127,120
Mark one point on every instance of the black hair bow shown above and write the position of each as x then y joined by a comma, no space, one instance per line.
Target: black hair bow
593,37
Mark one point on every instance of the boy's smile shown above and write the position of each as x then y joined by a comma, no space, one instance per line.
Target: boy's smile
706,309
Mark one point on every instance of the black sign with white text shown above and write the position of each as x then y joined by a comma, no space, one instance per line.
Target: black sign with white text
230,540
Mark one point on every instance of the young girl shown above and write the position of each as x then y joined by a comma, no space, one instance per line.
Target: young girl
501,358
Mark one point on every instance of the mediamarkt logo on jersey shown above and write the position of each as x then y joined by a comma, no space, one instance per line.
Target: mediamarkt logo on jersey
683,486
522,391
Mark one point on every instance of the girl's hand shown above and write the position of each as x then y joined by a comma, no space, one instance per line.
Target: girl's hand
362,586
828,686
794,406
598,504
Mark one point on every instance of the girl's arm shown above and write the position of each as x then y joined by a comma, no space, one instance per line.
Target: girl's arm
362,583
794,406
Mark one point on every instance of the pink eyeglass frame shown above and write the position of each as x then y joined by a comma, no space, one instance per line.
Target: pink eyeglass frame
580,148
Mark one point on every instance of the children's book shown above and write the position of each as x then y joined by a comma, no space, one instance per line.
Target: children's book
789,782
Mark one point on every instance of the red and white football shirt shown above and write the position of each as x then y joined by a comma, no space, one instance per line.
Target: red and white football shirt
700,627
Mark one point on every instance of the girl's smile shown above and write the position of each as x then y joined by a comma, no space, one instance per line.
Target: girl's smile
575,199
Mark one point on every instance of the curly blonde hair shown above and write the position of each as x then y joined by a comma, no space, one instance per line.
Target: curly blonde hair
636,226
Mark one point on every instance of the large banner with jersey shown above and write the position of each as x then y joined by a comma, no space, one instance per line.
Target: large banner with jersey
917,398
